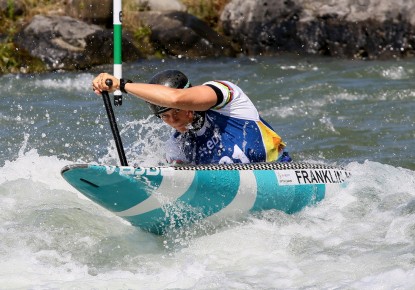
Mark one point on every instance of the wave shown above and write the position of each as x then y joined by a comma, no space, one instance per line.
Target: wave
54,237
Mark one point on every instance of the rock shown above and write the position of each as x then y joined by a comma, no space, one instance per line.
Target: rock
62,42
182,34
348,28
262,26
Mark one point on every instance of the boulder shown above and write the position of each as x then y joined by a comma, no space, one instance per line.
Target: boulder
262,26
179,33
62,42
347,28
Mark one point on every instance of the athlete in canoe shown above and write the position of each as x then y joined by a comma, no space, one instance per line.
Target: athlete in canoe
215,122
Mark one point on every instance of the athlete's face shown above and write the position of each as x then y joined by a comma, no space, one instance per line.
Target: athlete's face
178,119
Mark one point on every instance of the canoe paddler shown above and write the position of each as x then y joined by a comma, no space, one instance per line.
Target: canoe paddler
215,122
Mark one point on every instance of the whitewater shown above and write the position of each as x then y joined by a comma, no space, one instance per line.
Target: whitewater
358,115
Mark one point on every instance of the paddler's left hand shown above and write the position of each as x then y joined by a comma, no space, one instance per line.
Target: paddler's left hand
99,85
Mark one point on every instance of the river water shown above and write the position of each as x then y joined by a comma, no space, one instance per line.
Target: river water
356,114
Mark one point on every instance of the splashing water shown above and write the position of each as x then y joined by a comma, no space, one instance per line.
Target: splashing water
361,237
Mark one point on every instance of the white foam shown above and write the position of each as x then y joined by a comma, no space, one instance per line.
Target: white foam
360,236
395,73
82,83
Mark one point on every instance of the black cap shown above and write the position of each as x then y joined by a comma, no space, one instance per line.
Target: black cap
172,79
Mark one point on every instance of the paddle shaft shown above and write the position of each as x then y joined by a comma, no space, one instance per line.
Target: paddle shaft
113,124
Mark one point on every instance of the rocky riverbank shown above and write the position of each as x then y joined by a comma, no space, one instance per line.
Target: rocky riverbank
77,34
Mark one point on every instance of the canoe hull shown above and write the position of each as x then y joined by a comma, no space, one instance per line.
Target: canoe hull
159,198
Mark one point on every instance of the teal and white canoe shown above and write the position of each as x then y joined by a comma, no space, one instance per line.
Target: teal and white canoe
160,198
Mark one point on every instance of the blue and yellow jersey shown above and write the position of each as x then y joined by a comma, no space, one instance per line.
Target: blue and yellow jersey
233,132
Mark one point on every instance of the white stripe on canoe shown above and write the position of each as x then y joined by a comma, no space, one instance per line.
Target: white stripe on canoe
170,189
244,199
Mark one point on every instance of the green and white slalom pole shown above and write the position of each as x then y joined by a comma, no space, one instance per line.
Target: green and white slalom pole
118,74
117,21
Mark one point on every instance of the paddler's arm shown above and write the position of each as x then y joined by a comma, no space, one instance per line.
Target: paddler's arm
197,98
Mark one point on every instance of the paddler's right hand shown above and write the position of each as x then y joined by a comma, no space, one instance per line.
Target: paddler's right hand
99,85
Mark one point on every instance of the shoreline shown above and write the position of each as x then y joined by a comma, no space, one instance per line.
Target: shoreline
64,35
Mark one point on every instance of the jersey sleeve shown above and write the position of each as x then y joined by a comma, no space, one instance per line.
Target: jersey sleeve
224,92
234,102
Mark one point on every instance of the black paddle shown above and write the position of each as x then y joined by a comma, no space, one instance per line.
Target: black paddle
113,124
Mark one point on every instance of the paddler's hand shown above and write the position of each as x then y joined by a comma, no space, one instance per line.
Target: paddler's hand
99,85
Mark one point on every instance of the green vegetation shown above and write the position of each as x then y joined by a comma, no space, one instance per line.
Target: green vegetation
8,62
10,10
12,59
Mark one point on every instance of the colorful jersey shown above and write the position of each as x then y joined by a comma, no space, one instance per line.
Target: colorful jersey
233,132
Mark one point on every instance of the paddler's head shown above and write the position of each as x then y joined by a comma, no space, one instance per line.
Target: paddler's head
177,118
